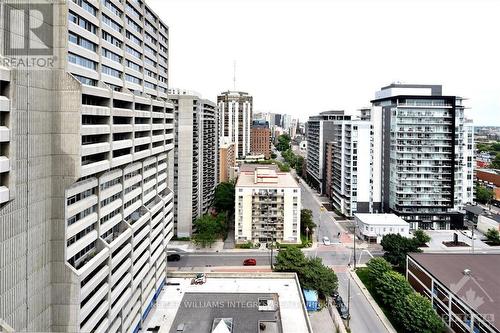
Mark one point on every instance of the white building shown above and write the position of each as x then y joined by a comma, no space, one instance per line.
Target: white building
267,207
372,227
235,119
196,158
89,206
349,167
424,149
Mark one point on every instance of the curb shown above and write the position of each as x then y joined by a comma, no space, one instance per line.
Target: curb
387,324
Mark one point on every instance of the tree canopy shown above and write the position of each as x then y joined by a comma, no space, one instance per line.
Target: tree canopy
208,228
283,142
377,267
483,194
311,272
224,197
421,237
392,288
306,221
396,248
493,236
416,315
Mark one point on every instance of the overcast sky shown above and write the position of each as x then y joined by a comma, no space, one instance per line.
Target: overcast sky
305,56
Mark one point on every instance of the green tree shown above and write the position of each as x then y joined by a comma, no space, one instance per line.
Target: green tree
483,194
319,277
299,165
416,315
493,236
495,164
207,229
283,142
224,197
396,248
312,273
495,146
377,267
290,259
306,221
421,237
392,288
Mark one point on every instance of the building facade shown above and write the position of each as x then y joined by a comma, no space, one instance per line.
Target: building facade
196,158
227,161
87,202
349,167
319,132
425,155
235,119
373,227
267,207
260,138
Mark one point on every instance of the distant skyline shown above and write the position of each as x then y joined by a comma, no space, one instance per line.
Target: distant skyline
302,57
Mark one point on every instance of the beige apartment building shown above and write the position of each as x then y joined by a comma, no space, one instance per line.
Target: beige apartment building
267,206
227,160
86,206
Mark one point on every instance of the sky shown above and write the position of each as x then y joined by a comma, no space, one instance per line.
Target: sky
302,57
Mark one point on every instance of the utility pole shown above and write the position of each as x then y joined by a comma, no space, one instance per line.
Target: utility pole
349,299
354,239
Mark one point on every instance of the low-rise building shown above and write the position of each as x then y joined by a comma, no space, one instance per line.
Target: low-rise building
228,302
372,227
463,288
267,207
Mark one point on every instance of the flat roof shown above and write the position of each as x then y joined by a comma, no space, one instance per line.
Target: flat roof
198,311
381,219
479,290
228,295
474,209
275,178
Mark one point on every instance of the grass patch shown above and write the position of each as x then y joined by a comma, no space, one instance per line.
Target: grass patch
247,245
181,238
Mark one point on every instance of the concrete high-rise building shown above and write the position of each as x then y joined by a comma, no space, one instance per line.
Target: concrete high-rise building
286,122
267,206
235,119
227,160
425,154
349,167
260,138
196,158
319,132
86,169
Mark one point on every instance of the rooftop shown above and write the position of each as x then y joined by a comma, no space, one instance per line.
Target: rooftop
240,300
381,219
264,176
479,289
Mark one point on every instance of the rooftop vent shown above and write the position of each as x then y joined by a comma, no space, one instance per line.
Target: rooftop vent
467,271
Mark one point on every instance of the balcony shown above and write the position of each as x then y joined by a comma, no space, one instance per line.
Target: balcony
95,129
4,134
4,164
95,148
4,104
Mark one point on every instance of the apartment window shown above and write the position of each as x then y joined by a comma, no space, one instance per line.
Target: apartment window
150,50
132,11
80,235
133,38
134,25
150,38
111,71
87,6
111,39
133,79
149,62
162,79
111,55
109,5
83,42
80,21
80,196
82,214
133,65
110,183
111,23
86,80
81,61
133,52
110,215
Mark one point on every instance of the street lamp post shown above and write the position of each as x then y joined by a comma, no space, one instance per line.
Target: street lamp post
348,299
354,240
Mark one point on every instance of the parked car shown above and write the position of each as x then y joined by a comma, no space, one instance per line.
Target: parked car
174,257
336,297
343,310
326,241
249,262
